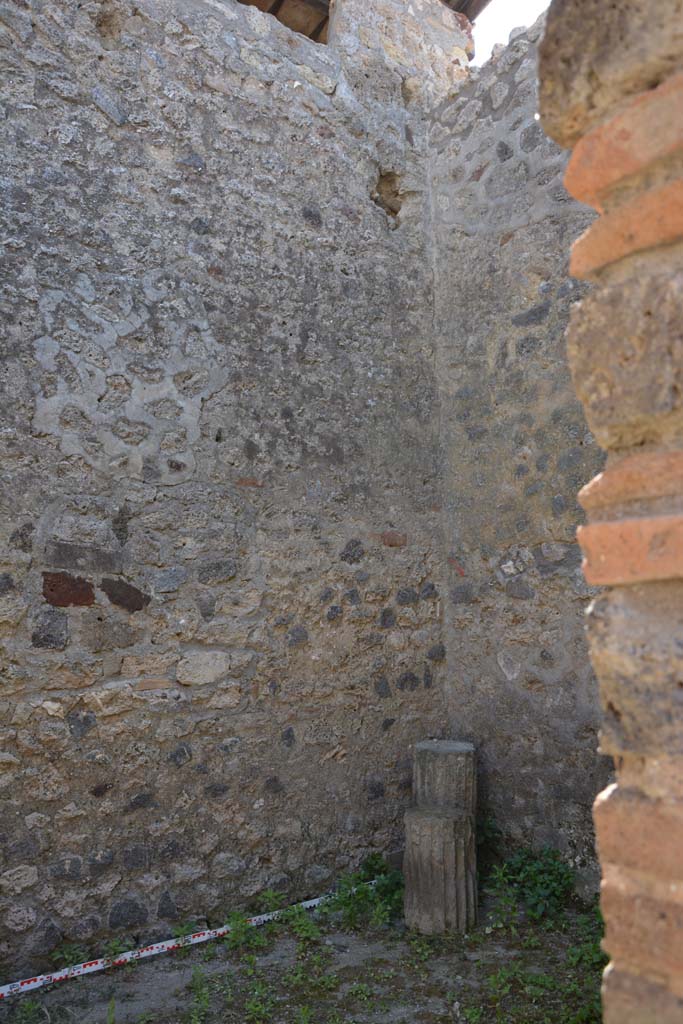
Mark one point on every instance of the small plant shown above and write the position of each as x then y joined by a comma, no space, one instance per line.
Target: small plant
201,997
297,977
209,953
310,971
499,983
67,954
29,1012
588,960
474,1015
181,932
301,923
111,1012
359,902
421,947
258,1008
361,992
588,953
224,988
270,900
114,948
542,883
488,833
242,935
506,910
304,1015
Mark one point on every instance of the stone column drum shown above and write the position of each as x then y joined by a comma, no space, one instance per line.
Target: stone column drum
440,863
611,88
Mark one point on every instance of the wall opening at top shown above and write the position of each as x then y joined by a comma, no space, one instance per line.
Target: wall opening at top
309,17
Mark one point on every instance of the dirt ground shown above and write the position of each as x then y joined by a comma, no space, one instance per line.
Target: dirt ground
316,971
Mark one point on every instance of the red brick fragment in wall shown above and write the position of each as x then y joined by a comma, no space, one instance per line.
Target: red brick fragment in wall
630,828
391,538
631,999
64,590
651,219
649,129
632,550
635,908
647,475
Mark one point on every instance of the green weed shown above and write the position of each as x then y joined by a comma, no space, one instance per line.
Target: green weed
361,903
242,935
201,997
587,959
29,1012
541,883
114,948
302,924
181,932
269,900
258,1008
224,987
67,954
361,992
111,1012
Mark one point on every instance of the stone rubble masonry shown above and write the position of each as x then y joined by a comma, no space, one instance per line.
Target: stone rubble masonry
515,451
224,476
289,453
612,87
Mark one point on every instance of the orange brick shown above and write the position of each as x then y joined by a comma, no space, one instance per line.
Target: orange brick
649,129
391,539
643,476
641,929
652,219
660,777
632,999
639,833
632,550
152,683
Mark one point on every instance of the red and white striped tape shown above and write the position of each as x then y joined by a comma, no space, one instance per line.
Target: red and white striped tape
167,946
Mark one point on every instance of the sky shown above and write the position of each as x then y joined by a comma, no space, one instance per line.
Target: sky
497,21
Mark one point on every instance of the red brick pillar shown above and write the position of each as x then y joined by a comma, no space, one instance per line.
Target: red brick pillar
612,91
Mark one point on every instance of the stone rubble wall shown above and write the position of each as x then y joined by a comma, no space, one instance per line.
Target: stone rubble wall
218,609
516,448
223,570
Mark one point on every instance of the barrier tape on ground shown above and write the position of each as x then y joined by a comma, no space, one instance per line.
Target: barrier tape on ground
167,946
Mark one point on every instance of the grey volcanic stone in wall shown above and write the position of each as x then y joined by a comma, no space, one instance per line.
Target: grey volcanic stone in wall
516,448
219,402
